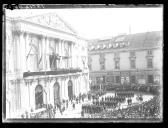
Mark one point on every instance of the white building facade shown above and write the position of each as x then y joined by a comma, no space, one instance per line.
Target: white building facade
46,62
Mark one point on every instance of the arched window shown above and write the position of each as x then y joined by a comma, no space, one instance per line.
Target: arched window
39,96
70,89
56,93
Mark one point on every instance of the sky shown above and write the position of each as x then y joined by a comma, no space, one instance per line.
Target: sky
93,23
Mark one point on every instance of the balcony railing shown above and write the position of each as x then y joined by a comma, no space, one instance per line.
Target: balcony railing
55,72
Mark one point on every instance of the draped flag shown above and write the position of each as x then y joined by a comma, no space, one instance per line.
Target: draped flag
83,60
29,52
40,54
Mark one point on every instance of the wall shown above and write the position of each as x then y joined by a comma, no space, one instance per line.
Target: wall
95,63
157,59
109,61
141,61
124,60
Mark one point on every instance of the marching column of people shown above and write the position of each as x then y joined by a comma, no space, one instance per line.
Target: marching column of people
100,104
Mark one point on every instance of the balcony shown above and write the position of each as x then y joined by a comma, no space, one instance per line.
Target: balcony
54,72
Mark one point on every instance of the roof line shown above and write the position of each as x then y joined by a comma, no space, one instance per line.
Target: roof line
97,39
66,24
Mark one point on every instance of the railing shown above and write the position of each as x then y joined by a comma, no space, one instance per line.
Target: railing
55,72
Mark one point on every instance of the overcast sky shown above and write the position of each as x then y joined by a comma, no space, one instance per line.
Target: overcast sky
104,22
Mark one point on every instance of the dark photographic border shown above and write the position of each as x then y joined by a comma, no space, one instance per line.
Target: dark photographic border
58,6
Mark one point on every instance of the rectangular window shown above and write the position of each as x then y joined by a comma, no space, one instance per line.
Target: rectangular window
117,65
90,67
102,67
116,55
149,63
149,52
132,63
109,79
117,79
103,79
132,54
133,79
53,61
150,79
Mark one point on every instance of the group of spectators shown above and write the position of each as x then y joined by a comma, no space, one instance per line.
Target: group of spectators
132,87
91,109
124,94
146,110
60,106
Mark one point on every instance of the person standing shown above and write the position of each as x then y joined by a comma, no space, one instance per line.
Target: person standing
67,104
73,105
82,113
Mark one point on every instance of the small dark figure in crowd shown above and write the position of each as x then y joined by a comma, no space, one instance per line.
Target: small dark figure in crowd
67,104
73,105
129,101
63,109
31,110
140,98
82,113
26,113
22,116
82,98
54,110
76,100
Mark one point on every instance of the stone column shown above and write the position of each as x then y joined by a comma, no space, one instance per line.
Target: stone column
47,54
71,55
59,52
17,41
77,85
74,85
43,52
77,91
65,95
26,49
63,92
66,87
22,52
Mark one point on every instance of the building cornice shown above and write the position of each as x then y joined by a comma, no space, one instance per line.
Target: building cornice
45,27
121,50
122,70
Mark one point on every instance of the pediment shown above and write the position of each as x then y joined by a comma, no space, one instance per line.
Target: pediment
51,20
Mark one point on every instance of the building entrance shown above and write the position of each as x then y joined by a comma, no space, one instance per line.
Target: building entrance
39,96
70,90
56,93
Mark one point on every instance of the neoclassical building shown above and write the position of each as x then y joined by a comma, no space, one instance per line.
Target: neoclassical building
46,61
134,59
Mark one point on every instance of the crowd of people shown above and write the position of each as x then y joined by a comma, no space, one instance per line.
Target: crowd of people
125,94
60,106
107,102
146,110
91,109
132,87
104,106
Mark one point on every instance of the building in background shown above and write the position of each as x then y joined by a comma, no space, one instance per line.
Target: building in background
134,59
46,61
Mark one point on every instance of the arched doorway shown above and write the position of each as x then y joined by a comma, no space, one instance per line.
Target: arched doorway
70,89
39,96
56,93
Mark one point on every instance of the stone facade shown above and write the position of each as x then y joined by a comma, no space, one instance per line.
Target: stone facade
35,45
126,58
